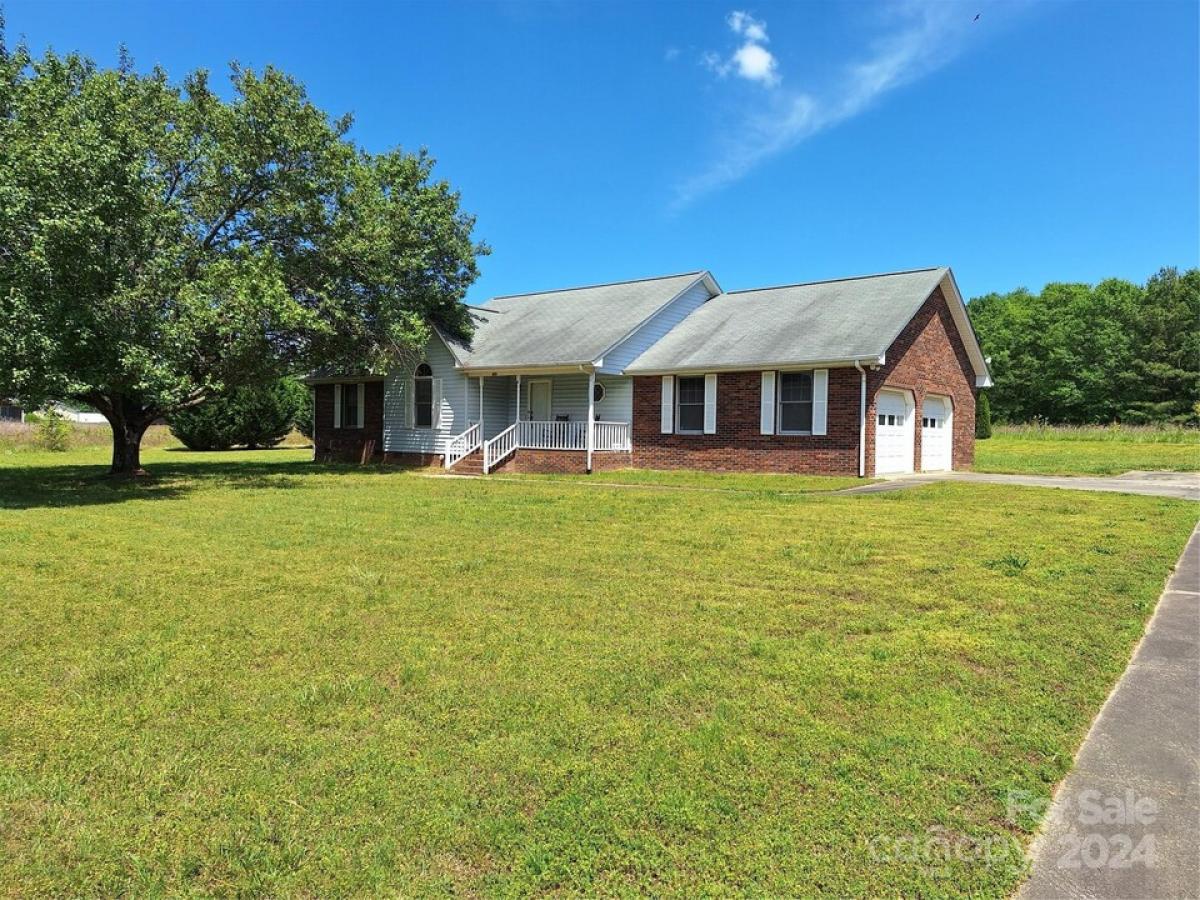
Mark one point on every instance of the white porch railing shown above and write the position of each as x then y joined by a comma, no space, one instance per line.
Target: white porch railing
552,435
499,447
463,445
612,436
536,435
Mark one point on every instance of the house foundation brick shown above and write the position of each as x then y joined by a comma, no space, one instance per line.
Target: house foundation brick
564,462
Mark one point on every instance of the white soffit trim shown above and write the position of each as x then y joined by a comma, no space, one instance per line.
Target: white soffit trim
958,310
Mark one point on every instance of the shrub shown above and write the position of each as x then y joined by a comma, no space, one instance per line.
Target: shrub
53,432
248,416
983,418
209,426
304,414
268,415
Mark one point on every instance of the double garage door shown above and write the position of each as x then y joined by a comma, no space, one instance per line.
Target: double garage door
895,424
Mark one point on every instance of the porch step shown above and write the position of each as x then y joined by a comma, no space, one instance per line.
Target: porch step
469,465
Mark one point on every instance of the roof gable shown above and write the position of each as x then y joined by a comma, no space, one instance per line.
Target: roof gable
570,327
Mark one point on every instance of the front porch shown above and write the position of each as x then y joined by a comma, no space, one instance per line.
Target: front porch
563,413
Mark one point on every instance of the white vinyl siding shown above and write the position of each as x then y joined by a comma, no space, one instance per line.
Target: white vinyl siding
569,397
655,328
499,400
450,405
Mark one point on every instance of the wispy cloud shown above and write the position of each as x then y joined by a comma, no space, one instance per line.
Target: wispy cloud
751,60
918,37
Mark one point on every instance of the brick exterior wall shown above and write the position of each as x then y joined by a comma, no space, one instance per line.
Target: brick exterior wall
565,462
353,444
737,446
927,357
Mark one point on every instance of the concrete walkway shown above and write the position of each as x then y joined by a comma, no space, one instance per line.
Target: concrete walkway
1180,485
1126,821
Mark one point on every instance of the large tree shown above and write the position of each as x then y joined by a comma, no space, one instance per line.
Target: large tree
160,243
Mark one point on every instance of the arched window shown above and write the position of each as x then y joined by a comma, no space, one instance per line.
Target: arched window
423,396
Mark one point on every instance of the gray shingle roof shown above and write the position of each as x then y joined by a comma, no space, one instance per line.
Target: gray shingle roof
567,327
824,321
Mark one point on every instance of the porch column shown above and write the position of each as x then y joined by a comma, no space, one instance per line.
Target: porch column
518,418
481,431
591,429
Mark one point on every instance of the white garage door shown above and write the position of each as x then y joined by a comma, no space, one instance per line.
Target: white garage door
937,436
893,433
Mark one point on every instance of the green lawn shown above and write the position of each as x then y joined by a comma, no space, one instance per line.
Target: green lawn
258,676
1084,451
710,481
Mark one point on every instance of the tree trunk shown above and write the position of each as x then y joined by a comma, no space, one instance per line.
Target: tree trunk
127,451
129,422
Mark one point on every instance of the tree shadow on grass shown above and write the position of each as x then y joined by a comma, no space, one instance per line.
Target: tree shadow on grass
28,487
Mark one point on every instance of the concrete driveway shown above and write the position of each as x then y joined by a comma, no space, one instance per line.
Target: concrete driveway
1180,485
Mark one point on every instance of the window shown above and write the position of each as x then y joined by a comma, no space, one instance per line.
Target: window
795,402
598,392
423,396
349,406
931,422
690,405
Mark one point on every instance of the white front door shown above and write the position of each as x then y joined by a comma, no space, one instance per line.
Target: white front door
894,437
539,401
937,435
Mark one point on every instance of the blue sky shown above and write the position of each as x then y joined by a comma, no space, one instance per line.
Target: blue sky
770,143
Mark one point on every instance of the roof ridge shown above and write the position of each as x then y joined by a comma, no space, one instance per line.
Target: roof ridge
584,287
775,287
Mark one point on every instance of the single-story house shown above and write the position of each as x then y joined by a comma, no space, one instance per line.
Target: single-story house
867,376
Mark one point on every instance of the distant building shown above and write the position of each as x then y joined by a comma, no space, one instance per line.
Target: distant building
11,411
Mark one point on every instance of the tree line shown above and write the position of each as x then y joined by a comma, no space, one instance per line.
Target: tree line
1095,354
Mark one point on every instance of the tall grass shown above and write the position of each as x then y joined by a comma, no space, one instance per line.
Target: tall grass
20,436
1133,434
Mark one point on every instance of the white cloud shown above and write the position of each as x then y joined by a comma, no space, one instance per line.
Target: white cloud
747,26
671,54
922,36
756,63
751,60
